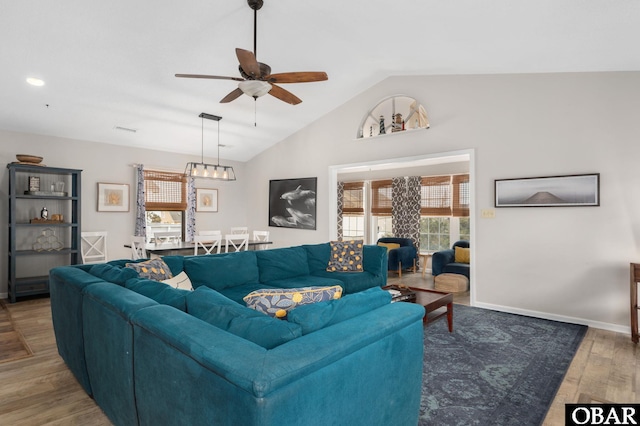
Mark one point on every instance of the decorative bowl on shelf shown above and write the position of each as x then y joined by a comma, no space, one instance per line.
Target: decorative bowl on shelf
32,159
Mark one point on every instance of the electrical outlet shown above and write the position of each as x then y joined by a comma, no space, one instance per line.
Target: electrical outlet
488,213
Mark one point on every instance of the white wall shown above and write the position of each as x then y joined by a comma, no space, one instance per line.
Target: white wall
113,164
563,263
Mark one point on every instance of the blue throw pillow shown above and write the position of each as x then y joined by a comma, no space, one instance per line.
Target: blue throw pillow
160,292
320,315
219,311
112,274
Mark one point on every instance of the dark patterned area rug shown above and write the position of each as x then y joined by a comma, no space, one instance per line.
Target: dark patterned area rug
495,368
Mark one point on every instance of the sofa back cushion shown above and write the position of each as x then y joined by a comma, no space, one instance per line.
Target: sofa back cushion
219,311
323,314
160,292
318,256
220,271
113,274
282,263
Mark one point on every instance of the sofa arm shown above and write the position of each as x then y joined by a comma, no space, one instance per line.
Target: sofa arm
374,259
440,259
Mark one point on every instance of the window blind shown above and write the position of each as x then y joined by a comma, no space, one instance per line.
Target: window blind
353,199
435,196
165,191
381,197
461,195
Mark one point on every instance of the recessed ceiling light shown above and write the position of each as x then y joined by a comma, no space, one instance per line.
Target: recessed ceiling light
35,81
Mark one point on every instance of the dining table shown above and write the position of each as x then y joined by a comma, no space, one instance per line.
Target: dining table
186,247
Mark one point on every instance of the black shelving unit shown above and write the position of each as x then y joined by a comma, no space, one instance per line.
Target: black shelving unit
37,245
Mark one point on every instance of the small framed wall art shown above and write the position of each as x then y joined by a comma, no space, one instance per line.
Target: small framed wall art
550,191
113,197
206,200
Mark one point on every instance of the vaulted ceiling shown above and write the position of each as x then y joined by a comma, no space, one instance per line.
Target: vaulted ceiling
112,64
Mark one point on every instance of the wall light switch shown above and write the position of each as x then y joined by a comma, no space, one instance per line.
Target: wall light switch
488,213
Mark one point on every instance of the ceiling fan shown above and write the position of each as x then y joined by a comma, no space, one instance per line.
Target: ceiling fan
257,79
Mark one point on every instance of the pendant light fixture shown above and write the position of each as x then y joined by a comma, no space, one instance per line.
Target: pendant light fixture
209,171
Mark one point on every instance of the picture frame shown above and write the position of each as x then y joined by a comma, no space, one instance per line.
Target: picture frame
113,197
206,200
292,203
581,190
34,183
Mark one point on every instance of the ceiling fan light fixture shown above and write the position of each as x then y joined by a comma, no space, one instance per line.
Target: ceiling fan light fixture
254,88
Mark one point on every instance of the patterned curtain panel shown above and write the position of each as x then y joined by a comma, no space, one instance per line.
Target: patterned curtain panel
405,209
340,206
141,223
190,224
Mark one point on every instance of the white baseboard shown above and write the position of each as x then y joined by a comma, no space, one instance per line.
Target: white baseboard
545,315
4,295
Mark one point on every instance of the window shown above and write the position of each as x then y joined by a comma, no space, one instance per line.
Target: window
384,226
165,196
353,210
434,233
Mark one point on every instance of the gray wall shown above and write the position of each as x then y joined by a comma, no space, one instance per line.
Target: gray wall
113,164
560,263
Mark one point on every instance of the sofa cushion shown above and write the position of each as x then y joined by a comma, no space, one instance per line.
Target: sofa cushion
158,291
323,314
154,269
219,311
238,293
278,264
318,256
346,256
112,273
180,281
175,263
462,255
220,271
277,302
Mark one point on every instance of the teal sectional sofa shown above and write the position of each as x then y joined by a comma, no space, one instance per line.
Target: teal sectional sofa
151,354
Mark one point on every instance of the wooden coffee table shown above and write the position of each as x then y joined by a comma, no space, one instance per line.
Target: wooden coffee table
432,300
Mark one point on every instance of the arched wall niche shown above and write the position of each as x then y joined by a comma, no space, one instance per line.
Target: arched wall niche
393,114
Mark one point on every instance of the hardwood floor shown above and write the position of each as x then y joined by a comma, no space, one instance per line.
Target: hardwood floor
40,390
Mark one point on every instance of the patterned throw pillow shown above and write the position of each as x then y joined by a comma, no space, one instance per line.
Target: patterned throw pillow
154,269
346,256
276,302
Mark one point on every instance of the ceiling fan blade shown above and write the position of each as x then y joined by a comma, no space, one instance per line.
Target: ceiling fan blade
284,95
298,77
232,96
214,77
248,63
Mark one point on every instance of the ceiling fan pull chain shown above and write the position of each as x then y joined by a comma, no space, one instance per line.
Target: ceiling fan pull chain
255,112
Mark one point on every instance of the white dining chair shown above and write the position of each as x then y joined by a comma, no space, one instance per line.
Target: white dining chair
208,243
93,247
137,248
237,241
239,229
167,236
261,236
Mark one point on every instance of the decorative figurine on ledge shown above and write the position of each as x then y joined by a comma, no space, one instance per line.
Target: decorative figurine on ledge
44,213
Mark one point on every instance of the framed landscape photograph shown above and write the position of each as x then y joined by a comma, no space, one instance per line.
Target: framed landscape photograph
113,197
292,203
206,200
551,191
